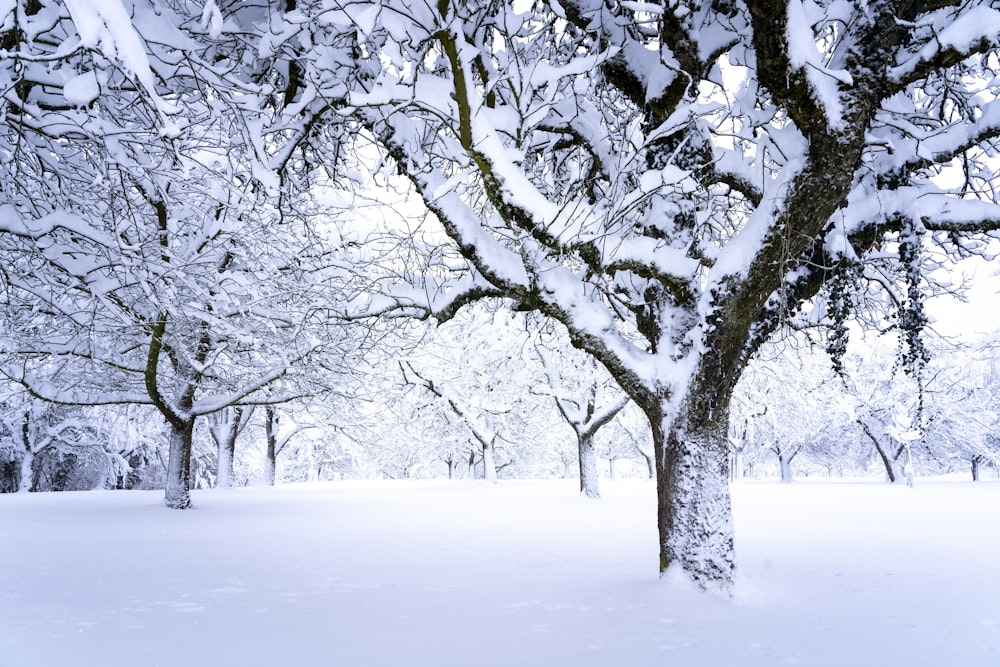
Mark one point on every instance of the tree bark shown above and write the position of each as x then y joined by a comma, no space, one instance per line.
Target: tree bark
178,487
225,432
224,473
785,463
489,463
736,473
695,511
587,457
975,468
26,482
271,453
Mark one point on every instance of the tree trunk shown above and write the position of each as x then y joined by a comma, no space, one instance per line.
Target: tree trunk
786,469
224,473
453,464
271,450
25,483
587,457
695,512
891,472
270,464
178,487
489,463
975,468
27,480
736,472
225,432
785,463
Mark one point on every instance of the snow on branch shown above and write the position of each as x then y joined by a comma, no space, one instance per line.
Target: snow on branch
950,35
105,25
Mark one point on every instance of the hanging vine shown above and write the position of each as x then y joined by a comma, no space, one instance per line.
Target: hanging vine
911,318
840,306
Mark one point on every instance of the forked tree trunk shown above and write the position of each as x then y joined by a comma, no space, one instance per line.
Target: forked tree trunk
224,431
588,466
695,514
892,473
178,487
453,465
785,464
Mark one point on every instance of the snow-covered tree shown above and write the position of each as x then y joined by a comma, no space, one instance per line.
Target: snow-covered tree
585,395
148,264
668,181
963,412
475,369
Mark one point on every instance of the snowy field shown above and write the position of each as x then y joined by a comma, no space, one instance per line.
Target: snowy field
524,573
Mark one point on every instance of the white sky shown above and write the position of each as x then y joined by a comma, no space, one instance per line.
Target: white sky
980,315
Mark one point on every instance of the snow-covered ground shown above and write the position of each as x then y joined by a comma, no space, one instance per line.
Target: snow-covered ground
523,573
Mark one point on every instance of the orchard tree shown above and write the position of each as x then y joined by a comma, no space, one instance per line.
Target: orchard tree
586,397
963,413
669,181
145,262
475,368
789,403
47,442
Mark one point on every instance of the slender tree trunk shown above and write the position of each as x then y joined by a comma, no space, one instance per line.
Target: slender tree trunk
224,474
271,453
785,463
736,472
650,464
472,465
695,512
270,464
489,463
178,487
587,457
975,468
26,482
